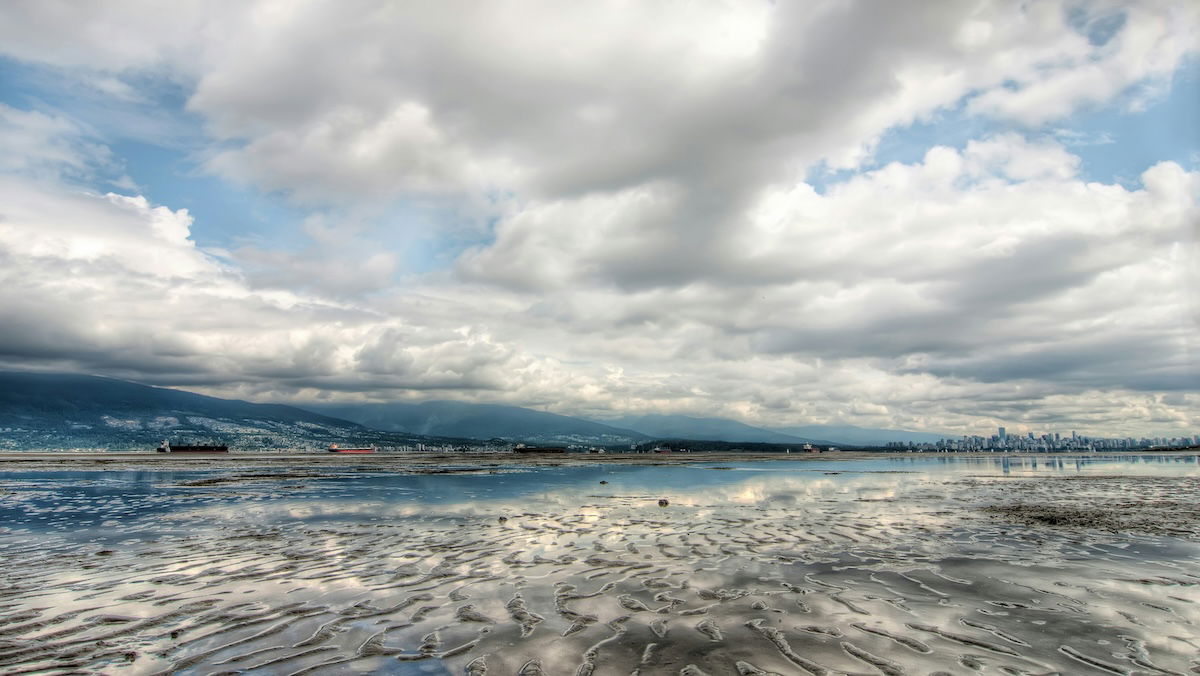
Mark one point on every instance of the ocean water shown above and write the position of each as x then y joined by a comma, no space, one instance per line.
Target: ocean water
892,565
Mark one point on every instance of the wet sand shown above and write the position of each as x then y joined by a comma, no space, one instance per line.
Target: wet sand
1114,503
826,571
400,460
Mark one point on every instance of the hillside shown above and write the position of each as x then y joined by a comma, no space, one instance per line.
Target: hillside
480,421
54,410
714,429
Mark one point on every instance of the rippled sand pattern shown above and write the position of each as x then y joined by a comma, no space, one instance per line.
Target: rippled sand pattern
764,573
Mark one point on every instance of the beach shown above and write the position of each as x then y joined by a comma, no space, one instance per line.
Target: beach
813,564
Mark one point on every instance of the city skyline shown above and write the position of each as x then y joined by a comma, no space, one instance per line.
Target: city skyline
1051,442
943,218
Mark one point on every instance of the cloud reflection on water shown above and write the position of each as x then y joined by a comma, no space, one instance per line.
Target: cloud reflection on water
362,573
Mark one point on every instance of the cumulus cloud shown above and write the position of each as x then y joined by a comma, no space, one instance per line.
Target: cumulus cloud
114,284
649,240
339,101
1144,50
995,266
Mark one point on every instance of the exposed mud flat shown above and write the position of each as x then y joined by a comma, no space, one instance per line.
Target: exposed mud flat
1154,505
747,571
414,462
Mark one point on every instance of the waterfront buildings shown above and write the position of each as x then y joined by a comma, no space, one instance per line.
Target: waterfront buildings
1046,443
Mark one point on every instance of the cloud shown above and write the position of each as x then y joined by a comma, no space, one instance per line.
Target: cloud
340,262
996,265
711,97
646,239
344,101
113,284
112,36
39,143
1150,43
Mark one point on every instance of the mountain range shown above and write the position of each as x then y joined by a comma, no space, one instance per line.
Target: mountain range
55,410
712,429
481,421
850,435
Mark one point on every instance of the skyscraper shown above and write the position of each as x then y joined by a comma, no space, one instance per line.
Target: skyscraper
1003,435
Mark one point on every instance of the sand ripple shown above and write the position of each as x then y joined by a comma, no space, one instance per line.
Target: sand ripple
572,584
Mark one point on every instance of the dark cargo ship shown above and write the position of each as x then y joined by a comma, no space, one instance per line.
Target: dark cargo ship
522,448
166,447
334,448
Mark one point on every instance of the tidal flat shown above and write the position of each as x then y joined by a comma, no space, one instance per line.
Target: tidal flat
509,565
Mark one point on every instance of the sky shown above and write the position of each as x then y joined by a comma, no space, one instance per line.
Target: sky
933,216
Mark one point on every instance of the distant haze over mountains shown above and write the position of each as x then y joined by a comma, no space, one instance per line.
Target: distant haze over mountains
84,399
43,410
715,429
861,436
487,421
480,421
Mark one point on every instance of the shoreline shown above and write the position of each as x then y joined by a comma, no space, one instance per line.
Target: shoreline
70,459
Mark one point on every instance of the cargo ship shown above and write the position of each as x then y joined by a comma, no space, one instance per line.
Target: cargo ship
334,448
166,447
522,448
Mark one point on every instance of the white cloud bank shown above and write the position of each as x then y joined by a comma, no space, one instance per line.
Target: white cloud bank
654,245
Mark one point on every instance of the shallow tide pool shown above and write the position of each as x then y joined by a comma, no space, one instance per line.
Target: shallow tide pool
892,565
